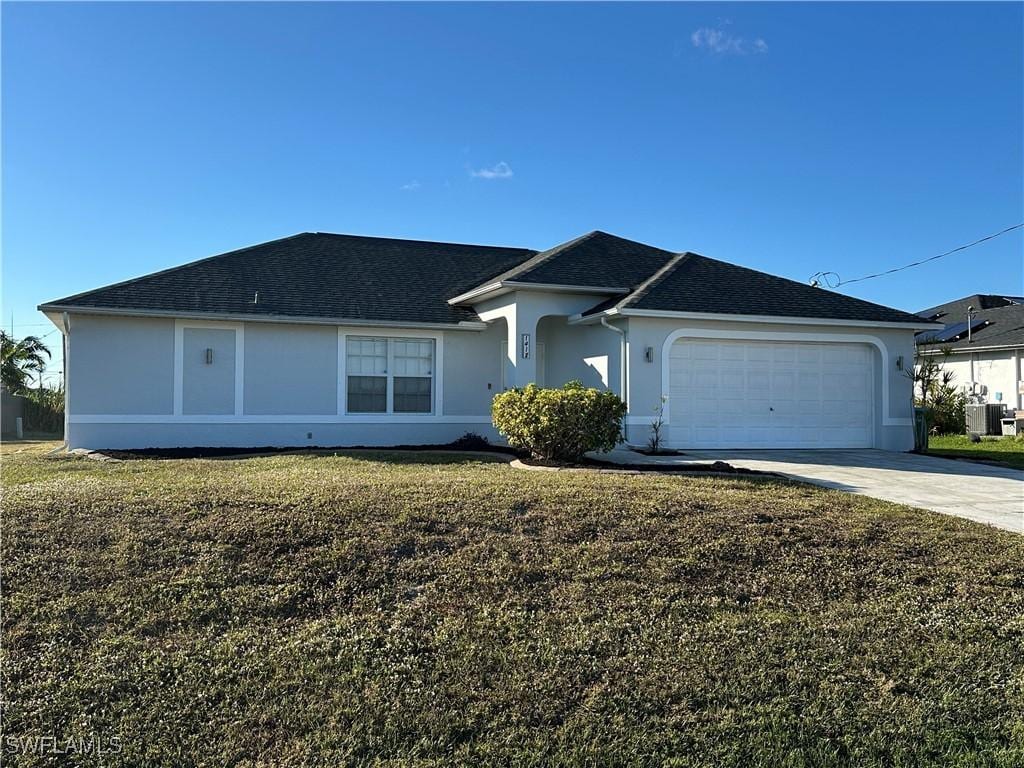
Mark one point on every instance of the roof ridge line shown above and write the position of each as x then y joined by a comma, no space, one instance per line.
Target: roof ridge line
538,258
547,255
421,242
659,274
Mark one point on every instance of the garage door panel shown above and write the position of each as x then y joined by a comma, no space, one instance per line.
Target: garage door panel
808,354
784,354
735,394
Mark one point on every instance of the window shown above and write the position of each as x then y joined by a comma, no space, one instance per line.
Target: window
388,375
367,367
414,363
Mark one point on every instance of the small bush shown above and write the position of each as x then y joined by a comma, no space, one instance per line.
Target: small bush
471,441
947,413
561,424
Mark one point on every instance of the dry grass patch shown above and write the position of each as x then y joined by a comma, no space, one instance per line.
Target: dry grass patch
419,609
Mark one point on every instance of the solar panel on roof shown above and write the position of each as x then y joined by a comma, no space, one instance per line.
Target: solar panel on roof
950,333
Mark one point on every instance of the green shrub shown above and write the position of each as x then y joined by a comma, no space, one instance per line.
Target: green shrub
44,410
560,424
947,413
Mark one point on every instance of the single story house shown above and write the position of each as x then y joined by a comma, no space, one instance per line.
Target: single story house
326,339
985,335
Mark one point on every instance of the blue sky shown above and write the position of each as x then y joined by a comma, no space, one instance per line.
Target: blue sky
791,138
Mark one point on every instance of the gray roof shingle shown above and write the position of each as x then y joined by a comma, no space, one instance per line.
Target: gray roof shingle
317,275
695,283
374,279
1003,317
595,260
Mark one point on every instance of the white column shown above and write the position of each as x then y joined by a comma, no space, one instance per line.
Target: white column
519,320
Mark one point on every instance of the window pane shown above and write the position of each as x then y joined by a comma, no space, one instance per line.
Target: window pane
366,356
413,357
367,394
412,395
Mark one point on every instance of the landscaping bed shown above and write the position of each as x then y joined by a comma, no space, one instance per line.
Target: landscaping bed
300,610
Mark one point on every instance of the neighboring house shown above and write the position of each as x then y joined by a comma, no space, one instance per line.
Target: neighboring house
987,360
322,339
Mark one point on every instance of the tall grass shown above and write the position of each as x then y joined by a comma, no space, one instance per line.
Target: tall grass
44,411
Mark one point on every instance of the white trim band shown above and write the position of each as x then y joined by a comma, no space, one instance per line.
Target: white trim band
462,325
372,418
768,319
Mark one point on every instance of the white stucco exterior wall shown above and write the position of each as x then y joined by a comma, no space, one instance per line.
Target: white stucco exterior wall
120,367
277,384
999,370
521,312
589,353
125,387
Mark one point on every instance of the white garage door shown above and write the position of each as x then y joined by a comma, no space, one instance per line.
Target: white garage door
761,394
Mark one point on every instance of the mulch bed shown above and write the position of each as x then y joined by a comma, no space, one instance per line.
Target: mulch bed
198,452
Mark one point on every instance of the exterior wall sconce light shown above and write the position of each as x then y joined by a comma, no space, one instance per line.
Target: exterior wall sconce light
649,354
209,356
899,363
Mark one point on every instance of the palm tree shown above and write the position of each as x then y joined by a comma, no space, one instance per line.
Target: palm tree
19,360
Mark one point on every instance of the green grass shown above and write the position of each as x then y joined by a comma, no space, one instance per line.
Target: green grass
431,610
1005,450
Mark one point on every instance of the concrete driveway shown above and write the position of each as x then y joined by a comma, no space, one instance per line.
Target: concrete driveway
979,492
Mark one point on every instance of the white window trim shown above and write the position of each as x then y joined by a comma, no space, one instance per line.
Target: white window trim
437,409
179,360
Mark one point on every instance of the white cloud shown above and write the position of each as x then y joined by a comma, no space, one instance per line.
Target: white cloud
412,185
721,42
499,171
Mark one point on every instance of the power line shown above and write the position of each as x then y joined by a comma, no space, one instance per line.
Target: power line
833,280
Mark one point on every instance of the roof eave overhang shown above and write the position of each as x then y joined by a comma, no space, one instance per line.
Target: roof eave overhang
491,290
581,319
50,310
939,349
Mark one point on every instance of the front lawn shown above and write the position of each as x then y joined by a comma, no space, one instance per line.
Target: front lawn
1005,450
434,609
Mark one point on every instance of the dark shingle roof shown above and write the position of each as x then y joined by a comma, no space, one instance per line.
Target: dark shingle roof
958,307
318,275
695,283
374,279
595,260
1003,318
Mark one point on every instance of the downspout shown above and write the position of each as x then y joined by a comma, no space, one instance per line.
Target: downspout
65,322
623,362
1017,376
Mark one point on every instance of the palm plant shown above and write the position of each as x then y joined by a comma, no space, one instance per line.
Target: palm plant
20,360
